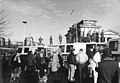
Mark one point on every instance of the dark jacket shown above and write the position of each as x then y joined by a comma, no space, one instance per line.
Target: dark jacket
71,58
41,62
14,63
60,60
31,60
107,71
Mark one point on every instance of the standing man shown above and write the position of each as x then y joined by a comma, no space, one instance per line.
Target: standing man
60,59
51,40
81,59
60,39
71,62
107,69
102,36
40,40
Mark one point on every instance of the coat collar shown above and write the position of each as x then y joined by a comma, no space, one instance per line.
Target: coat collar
108,58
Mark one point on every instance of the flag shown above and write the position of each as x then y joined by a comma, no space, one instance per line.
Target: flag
72,12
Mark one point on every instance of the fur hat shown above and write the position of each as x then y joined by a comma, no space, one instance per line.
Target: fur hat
107,52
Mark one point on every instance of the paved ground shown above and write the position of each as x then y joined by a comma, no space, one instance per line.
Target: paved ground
33,78
27,77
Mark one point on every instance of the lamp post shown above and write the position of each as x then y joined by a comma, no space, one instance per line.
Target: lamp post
76,32
24,22
74,25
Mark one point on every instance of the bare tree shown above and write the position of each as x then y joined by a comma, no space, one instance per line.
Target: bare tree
4,21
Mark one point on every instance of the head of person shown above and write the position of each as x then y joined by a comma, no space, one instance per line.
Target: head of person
91,49
81,50
97,49
107,52
18,51
59,50
41,54
38,50
54,51
72,50
30,52
42,50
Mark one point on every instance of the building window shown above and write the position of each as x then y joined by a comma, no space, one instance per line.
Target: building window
26,50
108,39
40,48
20,50
68,48
62,48
113,45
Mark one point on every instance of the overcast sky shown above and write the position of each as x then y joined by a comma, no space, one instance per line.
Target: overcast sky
47,18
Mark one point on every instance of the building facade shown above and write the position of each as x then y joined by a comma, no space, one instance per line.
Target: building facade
109,34
89,31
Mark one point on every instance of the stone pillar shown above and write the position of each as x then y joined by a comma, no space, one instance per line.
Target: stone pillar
105,39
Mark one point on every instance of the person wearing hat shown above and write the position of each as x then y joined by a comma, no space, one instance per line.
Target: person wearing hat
108,68
71,62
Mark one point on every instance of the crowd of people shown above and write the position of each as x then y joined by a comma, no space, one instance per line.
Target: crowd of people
96,64
94,67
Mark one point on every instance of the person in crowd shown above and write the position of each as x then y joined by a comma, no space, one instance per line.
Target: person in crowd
90,54
31,62
11,56
81,59
16,66
71,61
41,63
108,68
4,62
118,59
55,64
60,60
62,70
15,60
93,63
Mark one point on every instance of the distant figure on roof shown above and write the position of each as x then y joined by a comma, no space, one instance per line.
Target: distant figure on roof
94,36
89,36
40,40
102,36
51,40
60,39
